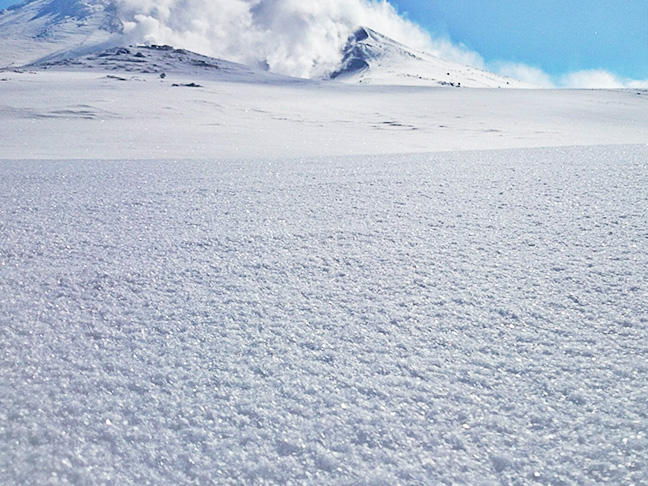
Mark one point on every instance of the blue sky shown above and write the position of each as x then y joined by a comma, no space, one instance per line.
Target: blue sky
556,36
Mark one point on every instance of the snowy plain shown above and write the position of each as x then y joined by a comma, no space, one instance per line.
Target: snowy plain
119,107
262,280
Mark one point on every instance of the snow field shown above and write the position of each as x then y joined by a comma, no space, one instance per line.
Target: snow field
120,112
460,318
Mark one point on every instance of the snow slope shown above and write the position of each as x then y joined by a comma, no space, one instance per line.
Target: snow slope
50,29
117,106
454,318
372,58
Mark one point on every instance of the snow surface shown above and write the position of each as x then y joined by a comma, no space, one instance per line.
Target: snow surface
115,105
452,318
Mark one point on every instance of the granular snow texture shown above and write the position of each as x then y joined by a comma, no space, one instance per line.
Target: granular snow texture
460,318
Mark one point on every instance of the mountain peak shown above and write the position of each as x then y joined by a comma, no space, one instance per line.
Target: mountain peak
372,58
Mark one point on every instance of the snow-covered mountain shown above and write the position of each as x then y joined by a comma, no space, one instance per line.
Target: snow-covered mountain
51,30
372,58
37,30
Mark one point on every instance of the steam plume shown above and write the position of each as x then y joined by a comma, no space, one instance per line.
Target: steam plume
296,37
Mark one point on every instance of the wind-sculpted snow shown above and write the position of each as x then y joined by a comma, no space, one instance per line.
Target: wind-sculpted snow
466,318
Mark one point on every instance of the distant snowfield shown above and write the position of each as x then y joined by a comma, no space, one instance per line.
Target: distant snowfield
67,113
263,301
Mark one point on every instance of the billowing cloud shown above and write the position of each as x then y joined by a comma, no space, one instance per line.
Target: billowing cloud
591,80
446,49
587,79
301,38
527,74
296,37
599,79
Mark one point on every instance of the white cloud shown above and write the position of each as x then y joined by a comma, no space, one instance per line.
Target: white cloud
637,84
587,79
527,74
599,79
446,49
592,79
295,37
